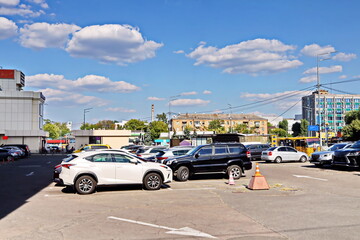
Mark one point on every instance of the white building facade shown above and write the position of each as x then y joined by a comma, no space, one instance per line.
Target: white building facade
21,112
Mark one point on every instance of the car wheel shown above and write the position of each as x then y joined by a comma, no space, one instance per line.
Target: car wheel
85,185
182,174
152,181
10,158
303,159
235,170
278,160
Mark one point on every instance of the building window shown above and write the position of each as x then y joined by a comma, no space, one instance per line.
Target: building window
348,100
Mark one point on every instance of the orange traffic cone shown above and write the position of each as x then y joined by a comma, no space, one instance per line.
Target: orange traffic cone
231,179
258,181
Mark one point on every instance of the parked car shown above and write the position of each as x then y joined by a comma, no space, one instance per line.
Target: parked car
283,153
132,148
256,150
149,151
227,158
18,152
171,152
6,155
326,157
87,170
349,157
25,147
89,147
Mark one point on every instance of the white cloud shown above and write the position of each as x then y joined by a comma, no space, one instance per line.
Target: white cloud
189,102
8,28
250,57
70,98
112,43
207,92
155,99
120,109
344,57
45,35
314,49
12,8
342,77
280,100
9,2
188,93
90,83
307,79
324,70
179,52
42,3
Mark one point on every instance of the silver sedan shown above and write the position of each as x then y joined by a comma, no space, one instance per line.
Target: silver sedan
283,153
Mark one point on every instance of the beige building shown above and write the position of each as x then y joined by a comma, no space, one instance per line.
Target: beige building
200,122
21,112
114,138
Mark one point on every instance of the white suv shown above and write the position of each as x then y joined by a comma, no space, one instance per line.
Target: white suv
86,170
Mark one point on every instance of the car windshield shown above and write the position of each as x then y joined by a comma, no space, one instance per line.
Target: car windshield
194,150
356,145
336,146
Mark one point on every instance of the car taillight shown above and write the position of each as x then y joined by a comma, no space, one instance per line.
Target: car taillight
248,154
58,166
139,155
162,158
270,153
67,165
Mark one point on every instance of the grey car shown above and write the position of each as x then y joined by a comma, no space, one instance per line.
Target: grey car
283,153
325,157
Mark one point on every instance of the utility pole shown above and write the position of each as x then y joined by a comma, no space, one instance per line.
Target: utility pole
317,106
230,118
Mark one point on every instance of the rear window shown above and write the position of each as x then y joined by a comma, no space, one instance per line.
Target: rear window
69,158
99,147
236,149
272,149
141,150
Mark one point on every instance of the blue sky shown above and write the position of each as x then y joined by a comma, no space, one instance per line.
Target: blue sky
119,57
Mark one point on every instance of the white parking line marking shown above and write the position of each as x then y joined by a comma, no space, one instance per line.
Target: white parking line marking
29,174
181,231
301,176
193,189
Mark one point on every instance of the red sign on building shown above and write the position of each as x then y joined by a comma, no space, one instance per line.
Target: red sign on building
7,74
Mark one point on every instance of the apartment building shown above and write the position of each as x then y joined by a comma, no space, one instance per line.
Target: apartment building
21,112
200,122
328,110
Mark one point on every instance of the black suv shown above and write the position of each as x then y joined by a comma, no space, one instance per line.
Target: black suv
212,158
349,157
256,150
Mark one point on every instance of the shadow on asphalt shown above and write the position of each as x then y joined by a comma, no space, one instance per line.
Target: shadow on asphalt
110,188
22,179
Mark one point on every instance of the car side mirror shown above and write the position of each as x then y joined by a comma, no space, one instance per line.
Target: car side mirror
197,155
134,161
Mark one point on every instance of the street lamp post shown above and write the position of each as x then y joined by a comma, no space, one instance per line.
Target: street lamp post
230,118
172,98
86,110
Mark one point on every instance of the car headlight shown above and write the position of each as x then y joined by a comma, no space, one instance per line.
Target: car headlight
354,153
169,162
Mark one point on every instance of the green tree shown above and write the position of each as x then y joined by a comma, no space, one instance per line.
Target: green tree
279,132
105,124
241,128
162,117
352,129
157,127
215,125
284,125
296,129
63,128
52,129
135,124
194,135
187,133
304,124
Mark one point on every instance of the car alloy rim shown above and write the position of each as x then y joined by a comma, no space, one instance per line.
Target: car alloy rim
153,181
235,172
85,185
184,174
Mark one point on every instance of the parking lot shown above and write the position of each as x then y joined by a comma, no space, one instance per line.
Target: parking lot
303,202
